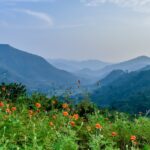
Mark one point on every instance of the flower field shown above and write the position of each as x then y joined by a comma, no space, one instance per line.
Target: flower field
63,128
36,122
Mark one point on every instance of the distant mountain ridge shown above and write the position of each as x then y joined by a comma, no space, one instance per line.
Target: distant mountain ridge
129,65
94,70
111,77
74,66
86,69
30,69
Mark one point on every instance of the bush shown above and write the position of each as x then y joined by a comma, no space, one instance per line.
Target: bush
12,91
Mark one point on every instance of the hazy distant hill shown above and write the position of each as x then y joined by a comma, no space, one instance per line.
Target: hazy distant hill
130,65
74,66
33,70
94,70
127,66
84,69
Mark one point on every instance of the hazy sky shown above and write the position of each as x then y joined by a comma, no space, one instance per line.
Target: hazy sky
110,30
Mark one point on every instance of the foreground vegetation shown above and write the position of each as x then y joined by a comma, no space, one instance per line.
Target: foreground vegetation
39,123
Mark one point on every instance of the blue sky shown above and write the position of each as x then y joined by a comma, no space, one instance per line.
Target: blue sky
109,30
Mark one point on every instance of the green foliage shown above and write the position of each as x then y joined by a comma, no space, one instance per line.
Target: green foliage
129,92
39,123
12,91
85,107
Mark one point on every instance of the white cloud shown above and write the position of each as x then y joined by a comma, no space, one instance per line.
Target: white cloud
138,5
40,15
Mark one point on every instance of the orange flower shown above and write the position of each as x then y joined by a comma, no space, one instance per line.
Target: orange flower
8,111
133,138
65,113
76,116
65,105
30,113
72,123
38,105
98,126
1,104
51,124
114,134
13,108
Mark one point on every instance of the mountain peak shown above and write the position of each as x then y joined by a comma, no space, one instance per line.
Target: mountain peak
5,45
143,57
30,69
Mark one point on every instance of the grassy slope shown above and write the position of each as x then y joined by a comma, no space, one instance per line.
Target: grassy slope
51,130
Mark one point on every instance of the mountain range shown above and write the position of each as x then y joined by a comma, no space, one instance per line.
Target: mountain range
32,70
124,86
129,65
125,91
94,70
74,65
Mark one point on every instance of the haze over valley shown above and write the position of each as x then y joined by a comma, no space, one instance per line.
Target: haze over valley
106,82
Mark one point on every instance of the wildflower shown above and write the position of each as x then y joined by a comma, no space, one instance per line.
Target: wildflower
1,104
98,126
3,88
13,108
76,116
8,111
54,116
72,123
38,105
51,124
133,138
65,113
30,113
114,134
65,105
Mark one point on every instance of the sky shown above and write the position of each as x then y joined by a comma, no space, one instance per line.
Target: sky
108,30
